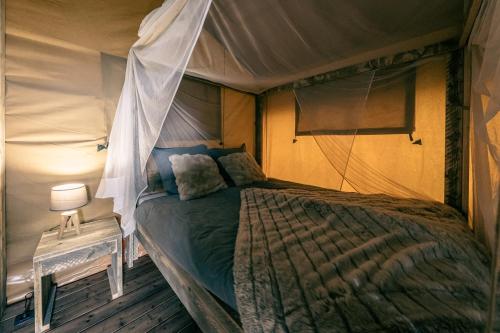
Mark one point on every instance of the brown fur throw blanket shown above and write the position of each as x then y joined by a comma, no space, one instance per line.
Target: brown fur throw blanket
328,261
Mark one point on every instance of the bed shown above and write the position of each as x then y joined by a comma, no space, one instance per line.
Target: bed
194,244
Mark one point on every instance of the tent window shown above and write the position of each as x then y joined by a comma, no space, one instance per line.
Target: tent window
195,114
376,102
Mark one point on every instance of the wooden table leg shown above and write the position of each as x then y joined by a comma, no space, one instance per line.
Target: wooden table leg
38,298
115,272
44,294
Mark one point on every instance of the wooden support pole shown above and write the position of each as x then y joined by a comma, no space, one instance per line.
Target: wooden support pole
454,132
469,22
3,245
467,206
259,112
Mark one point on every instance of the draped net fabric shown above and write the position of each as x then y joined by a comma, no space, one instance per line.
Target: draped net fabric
155,66
238,50
485,142
356,173
374,102
485,105
374,163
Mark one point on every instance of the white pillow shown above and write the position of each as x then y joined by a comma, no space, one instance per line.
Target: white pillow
196,175
242,168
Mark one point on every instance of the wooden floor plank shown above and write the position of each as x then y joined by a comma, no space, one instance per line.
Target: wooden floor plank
88,282
154,317
191,328
13,310
148,304
133,312
112,308
93,291
25,329
7,325
99,298
71,288
175,323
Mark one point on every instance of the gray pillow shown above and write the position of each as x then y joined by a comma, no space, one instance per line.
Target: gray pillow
242,168
196,175
155,184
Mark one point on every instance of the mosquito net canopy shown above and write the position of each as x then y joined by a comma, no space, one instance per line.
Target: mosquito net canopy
254,46
66,66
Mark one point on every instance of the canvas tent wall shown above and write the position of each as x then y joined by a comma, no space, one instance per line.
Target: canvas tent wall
65,70
62,56
377,162
55,117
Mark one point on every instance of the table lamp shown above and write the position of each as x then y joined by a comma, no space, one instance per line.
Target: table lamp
68,198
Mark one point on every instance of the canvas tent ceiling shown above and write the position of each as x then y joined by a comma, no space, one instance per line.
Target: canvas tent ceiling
275,42
255,45
107,26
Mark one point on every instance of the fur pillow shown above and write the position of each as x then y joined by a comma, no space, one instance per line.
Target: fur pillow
164,166
242,168
196,175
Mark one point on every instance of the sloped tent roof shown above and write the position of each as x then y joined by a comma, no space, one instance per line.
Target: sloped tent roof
255,45
108,26
252,46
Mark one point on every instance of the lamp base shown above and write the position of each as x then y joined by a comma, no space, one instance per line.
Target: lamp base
69,222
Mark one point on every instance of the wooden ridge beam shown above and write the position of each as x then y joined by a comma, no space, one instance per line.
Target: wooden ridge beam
469,22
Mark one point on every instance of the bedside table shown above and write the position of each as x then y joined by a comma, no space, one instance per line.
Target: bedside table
96,239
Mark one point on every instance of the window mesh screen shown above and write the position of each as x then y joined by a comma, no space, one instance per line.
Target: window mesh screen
376,102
